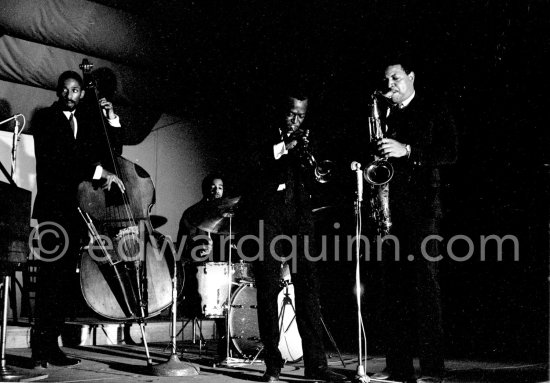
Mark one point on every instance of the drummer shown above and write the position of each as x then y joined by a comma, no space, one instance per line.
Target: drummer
200,245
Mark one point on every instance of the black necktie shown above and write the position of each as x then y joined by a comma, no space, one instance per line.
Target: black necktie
72,122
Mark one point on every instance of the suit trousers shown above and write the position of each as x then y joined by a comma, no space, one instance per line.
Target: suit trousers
305,279
57,278
413,304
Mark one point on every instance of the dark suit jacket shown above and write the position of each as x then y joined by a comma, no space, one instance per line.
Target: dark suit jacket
265,200
62,161
430,130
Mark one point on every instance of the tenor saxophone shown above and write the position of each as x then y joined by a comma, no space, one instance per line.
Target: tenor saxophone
378,174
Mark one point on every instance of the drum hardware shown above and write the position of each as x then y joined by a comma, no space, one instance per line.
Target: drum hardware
216,216
197,324
229,360
288,353
244,329
288,288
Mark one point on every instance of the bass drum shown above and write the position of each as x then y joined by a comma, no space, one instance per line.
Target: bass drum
244,330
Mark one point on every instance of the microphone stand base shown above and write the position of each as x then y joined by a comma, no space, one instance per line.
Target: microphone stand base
9,375
360,376
175,367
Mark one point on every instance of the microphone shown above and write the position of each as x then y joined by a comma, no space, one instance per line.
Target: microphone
11,118
356,167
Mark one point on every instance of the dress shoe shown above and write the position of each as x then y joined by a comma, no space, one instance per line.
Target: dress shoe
324,375
39,363
271,375
429,379
382,375
401,378
54,356
58,358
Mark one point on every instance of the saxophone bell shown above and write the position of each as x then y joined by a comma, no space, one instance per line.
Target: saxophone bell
380,170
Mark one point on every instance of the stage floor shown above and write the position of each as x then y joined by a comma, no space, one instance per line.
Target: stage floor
124,363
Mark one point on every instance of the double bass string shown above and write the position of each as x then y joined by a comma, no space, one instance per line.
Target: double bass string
118,217
114,213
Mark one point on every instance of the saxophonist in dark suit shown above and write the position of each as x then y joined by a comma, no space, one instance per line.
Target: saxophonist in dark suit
421,137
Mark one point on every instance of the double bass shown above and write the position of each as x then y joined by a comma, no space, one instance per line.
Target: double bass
126,269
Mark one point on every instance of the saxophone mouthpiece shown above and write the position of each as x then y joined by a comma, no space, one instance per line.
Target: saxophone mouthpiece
386,95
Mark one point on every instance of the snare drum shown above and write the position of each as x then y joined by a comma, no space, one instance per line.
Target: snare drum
243,324
212,287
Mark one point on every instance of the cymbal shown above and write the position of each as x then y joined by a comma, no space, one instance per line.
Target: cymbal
213,216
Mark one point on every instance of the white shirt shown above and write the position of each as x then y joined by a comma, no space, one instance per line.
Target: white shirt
279,149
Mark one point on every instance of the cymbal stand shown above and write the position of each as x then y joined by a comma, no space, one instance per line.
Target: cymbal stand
287,300
229,361
173,366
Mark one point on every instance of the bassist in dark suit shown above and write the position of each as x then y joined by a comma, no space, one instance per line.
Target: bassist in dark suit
69,149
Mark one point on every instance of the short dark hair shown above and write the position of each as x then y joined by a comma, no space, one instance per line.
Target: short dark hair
207,182
298,95
69,74
400,57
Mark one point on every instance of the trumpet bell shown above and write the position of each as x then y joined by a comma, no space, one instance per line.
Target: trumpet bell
378,172
324,171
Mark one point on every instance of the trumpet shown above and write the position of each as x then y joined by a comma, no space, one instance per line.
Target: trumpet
322,171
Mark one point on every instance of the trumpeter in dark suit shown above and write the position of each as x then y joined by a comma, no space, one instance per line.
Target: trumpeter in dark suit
283,205
68,150
421,137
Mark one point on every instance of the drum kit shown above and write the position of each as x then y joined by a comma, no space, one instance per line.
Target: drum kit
227,290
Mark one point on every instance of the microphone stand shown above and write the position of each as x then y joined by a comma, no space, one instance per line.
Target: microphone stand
173,366
360,375
15,140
